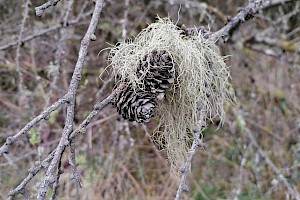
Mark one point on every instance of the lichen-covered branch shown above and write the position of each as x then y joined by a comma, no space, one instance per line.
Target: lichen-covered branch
20,75
243,15
291,190
72,161
32,172
81,16
40,9
183,187
79,130
68,128
44,115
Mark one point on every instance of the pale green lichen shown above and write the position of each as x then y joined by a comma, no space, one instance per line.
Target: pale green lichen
201,78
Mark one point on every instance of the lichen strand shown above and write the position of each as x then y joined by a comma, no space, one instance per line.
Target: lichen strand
201,78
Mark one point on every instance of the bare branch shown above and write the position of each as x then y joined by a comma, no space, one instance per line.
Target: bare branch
98,107
292,190
124,20
60,47
183,187
239,186
20,76
80,129
48,30
44,115
282,44
40,9
72,160
32,172
244,15
71,106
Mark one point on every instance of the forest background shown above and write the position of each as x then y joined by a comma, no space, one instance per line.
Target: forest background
254,155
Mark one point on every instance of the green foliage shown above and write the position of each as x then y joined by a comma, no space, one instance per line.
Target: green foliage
34,136
53,115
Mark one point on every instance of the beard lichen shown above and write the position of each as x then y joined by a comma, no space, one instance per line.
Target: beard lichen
201,78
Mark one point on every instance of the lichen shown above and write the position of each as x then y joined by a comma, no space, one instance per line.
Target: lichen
201,78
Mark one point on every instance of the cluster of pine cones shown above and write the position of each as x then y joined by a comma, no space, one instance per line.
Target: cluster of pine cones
157,73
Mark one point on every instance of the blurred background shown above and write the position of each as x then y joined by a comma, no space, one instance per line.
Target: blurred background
244,159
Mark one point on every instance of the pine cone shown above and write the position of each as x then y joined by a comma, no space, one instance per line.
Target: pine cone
136,105
157,72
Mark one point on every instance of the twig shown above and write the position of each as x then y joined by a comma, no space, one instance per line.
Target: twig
124,20
104,86
19,43
80,129
282,44
63,35
12,162
72,161
58,173
292,190
47,30
203,7
44,115
244,14
71,106
98,107
32,172
242,165
183,187
40,9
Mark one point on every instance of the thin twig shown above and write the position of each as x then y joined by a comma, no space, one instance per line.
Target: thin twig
244,14
32,172
48,30
60,47
40,9
58,173
291,189
183,187
80,129
98,107
239,186
104,86
44,115
124,20
72,161
71,106
19,43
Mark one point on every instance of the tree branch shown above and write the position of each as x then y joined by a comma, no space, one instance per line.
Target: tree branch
40,9
183,187
68,128
244,15
48,30
20,75
32,172
80,129
292,190
44,115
